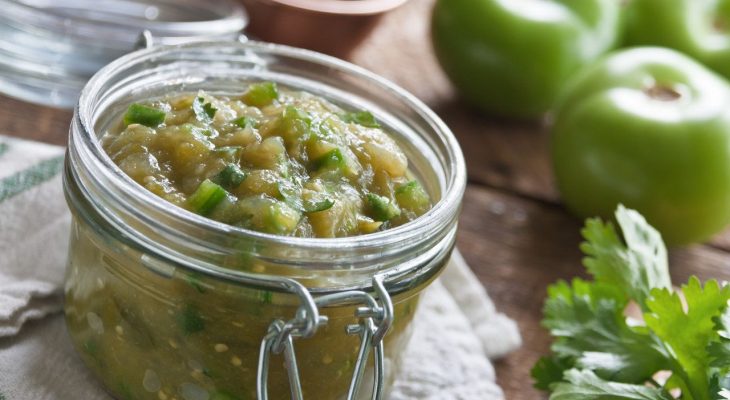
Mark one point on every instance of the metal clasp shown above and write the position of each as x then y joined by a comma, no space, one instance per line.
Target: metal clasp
375,319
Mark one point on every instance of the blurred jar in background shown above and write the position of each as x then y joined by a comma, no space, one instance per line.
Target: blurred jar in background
50,48
332,27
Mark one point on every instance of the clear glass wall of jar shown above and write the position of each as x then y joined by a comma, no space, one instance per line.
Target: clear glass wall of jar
162,303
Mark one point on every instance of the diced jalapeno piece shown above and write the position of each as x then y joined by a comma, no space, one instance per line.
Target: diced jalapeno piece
381,208
245,122
125,391
190,320
412,196
144,115
261,94
206,197
266,296
364,118
280,219
230,177
331,160
222,396
294,123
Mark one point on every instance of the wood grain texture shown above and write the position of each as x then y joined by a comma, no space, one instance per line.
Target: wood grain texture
34,122
514,232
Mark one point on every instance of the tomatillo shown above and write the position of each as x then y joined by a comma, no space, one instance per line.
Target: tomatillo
510,57
699,28
649,128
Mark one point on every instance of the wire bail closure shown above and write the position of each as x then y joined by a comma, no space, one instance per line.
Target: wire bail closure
375,319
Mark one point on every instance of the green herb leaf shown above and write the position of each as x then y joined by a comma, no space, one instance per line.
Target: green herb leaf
290,193
689,333
204,112
635,267
549,370
364,118
245,122
588,322
719,349
585,385
144,115
318,206
603,356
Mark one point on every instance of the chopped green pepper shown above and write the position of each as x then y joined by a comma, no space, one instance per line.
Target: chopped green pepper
364,118
294,124
333,159
382,208
279,218
222,396
190,320
261,94
230,177
206,197
144,115
267,296
412,196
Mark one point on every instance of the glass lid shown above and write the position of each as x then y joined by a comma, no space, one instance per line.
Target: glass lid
50,48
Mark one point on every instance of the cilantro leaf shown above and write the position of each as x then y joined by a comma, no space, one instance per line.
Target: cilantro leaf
204,112
688,333
590,328
602,355
549,370
719,349
720,387
585,385
635,267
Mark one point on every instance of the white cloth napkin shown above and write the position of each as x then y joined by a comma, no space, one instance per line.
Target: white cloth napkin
456,328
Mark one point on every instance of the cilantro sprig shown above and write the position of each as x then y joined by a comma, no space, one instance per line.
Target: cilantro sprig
599,353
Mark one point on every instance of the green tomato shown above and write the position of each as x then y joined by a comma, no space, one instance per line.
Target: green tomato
699,28
512,57
649,128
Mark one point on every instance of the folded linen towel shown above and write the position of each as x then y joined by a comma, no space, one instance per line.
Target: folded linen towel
457,327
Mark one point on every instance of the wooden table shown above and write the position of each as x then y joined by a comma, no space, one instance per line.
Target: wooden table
514,231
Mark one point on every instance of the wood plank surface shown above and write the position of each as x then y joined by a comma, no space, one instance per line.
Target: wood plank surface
514,231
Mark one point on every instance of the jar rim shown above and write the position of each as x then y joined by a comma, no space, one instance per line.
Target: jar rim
441,215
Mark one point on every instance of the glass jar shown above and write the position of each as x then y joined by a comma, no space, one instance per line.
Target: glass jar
50,48
162,303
